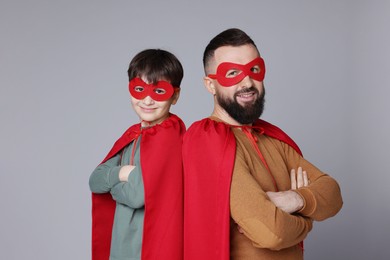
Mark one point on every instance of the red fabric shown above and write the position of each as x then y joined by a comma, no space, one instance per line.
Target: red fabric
243,71
208,156
161,91
162,175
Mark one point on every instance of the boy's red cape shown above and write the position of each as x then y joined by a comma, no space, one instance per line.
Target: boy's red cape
162,174
208,155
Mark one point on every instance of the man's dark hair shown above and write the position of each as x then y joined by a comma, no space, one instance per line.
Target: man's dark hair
230,37
156,64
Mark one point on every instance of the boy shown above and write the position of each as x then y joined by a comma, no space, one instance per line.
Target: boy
137,198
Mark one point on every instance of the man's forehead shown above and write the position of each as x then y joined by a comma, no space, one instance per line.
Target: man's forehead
236,54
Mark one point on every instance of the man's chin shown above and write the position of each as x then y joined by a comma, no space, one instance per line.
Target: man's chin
247,104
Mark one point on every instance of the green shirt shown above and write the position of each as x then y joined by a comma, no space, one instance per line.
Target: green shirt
127,230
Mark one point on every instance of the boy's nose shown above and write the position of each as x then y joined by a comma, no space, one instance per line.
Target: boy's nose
148,100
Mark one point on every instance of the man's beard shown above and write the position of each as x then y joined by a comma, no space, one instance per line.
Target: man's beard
247,114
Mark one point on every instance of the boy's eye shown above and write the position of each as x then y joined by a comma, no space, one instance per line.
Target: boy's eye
160,91
255,69
232,73
139,89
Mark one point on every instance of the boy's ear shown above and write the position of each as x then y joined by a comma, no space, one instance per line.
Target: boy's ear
175,96
209,84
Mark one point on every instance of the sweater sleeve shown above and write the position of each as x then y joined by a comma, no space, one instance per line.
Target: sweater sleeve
322,198
261,221
130,193
105,176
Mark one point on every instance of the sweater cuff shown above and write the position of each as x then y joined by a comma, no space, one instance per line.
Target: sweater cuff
113,176
309,202
134,176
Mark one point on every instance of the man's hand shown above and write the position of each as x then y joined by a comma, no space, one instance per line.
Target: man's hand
125,171
290,201
298,179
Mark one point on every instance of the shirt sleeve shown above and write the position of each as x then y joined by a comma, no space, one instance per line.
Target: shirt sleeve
130,193
261,221
322,198
105,176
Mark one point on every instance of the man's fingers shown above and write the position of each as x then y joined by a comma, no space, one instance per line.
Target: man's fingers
305,179
293,180
299,178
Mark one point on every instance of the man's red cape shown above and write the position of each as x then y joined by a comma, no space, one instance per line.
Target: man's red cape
162,174
208,155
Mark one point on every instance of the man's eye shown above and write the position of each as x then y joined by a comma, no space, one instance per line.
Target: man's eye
255,69
160,91
139,89
232,73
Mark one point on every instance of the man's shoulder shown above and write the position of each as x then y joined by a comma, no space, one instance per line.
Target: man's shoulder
208,138
198,124
208,125
275,132
206,130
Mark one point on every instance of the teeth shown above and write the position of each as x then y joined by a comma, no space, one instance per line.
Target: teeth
246,95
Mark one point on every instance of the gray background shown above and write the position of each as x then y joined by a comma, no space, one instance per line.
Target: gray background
64,101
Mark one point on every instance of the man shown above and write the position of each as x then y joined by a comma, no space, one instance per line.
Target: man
240,200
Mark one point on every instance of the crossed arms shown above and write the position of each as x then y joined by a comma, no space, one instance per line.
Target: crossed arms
277,220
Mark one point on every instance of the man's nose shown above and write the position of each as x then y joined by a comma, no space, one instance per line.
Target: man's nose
246,82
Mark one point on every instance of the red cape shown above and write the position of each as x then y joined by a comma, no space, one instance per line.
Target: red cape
162,175
208,155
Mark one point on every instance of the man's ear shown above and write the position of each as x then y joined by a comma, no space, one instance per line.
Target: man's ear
175,96
209,84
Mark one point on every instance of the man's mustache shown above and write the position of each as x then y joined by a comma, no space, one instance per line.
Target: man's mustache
246,90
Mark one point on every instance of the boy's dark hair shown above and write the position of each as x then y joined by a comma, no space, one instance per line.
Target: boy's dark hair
155,65
230,37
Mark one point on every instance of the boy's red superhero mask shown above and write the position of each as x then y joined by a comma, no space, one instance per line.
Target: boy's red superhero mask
162,91
229,74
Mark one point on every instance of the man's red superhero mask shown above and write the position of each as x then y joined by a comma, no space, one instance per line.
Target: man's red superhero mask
161,91
229,74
